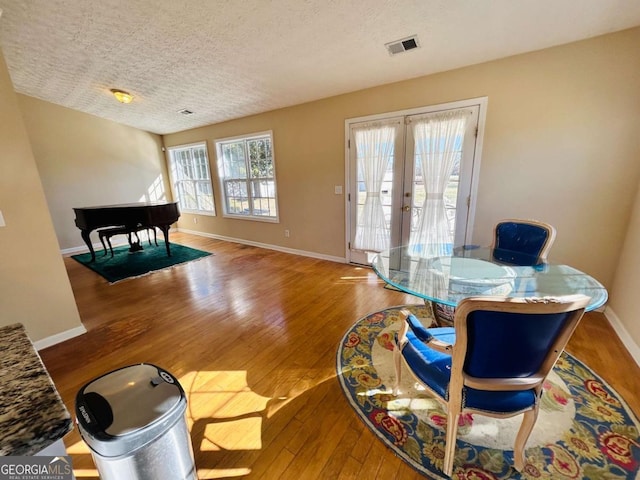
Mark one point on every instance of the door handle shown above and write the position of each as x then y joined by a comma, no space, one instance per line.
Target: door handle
406,208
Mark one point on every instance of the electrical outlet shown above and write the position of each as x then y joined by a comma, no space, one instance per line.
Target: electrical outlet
195,219
286,233
2,224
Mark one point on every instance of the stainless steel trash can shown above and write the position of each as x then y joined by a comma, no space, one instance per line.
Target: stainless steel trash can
133,420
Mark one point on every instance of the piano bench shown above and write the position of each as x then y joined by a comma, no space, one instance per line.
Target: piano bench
107,233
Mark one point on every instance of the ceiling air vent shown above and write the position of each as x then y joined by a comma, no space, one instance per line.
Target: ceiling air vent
403,45
184,111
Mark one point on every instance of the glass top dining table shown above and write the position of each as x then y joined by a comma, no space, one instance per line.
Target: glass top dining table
479,271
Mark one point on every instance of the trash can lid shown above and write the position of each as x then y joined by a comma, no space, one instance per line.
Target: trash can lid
125,401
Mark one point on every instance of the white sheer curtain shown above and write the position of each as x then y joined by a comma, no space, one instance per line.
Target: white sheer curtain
437,139
374,153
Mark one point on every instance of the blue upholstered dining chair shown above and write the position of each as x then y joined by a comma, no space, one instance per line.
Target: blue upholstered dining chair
493,362
515,242
522,242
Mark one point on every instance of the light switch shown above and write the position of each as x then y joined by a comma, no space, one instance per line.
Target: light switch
2,224
338,189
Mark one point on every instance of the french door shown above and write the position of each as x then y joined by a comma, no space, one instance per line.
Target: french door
412,180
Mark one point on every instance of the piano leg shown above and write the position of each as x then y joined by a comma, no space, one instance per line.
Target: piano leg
134,246
165,232
87,239
104,246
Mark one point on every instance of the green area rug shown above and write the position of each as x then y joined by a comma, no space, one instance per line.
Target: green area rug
584,429
125,264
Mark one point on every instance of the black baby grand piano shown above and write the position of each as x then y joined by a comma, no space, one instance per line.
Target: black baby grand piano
131,215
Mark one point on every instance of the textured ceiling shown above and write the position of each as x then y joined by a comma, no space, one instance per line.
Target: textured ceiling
225,59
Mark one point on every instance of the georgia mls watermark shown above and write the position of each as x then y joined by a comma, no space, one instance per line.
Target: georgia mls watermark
36,468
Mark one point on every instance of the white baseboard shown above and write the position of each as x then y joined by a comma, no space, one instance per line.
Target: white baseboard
97,247
82,249
59,337
278,248
622,332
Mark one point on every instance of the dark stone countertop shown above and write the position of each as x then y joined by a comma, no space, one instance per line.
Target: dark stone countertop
32,414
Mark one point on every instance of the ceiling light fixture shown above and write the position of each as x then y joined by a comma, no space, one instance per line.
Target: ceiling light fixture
122,96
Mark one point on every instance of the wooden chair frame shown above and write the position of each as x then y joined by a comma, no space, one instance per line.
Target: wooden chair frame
546,247
459,379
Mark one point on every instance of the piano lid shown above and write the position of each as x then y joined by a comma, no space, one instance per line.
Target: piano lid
127,205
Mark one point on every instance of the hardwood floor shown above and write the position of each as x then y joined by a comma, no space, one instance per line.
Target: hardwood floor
252,335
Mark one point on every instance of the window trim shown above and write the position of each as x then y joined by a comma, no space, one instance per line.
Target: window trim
175,193
222,179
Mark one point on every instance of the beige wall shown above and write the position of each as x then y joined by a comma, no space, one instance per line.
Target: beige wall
622,298
34,287
85,160
560,145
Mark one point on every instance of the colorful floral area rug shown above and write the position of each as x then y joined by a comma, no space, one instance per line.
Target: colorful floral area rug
584,429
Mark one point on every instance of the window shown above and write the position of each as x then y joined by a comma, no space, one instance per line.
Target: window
191,178
247,177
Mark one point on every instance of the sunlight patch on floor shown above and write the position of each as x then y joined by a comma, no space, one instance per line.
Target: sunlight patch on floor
224,413
223,473
364,279
85,473
232,434
78,448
